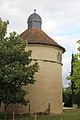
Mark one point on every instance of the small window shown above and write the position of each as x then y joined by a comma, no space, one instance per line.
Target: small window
59,57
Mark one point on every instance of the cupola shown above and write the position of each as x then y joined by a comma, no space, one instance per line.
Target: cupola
34,21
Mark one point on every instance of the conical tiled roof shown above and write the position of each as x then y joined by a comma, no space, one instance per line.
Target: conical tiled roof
37,36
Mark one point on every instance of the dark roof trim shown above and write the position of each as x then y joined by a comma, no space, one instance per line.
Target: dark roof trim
49,45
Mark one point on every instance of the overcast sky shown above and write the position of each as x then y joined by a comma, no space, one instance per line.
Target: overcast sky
60,20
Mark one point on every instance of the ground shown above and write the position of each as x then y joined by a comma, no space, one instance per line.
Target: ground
68,114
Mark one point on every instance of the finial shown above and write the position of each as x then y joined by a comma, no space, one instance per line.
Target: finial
34,10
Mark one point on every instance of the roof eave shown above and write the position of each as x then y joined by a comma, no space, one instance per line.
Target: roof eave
49,45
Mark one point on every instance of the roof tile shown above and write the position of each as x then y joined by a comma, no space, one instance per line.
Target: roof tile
37,36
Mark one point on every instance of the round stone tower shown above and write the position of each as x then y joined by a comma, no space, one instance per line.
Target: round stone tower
46,94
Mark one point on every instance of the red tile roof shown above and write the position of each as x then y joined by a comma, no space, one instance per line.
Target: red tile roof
37,36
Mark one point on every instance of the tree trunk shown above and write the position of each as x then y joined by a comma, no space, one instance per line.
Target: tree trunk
4,114
13,115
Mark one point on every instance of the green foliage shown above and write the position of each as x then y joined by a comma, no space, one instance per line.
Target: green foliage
75,76
16,69
71,78
67,97
3,28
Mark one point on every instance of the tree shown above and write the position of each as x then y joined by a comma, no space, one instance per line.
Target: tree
72,81
75,76
72,85
70,89
16,69
67,97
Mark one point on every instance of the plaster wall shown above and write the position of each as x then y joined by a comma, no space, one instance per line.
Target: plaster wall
48,86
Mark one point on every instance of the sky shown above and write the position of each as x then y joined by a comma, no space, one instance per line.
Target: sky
60,20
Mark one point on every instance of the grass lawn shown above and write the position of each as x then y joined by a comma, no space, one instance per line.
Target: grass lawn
67,115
